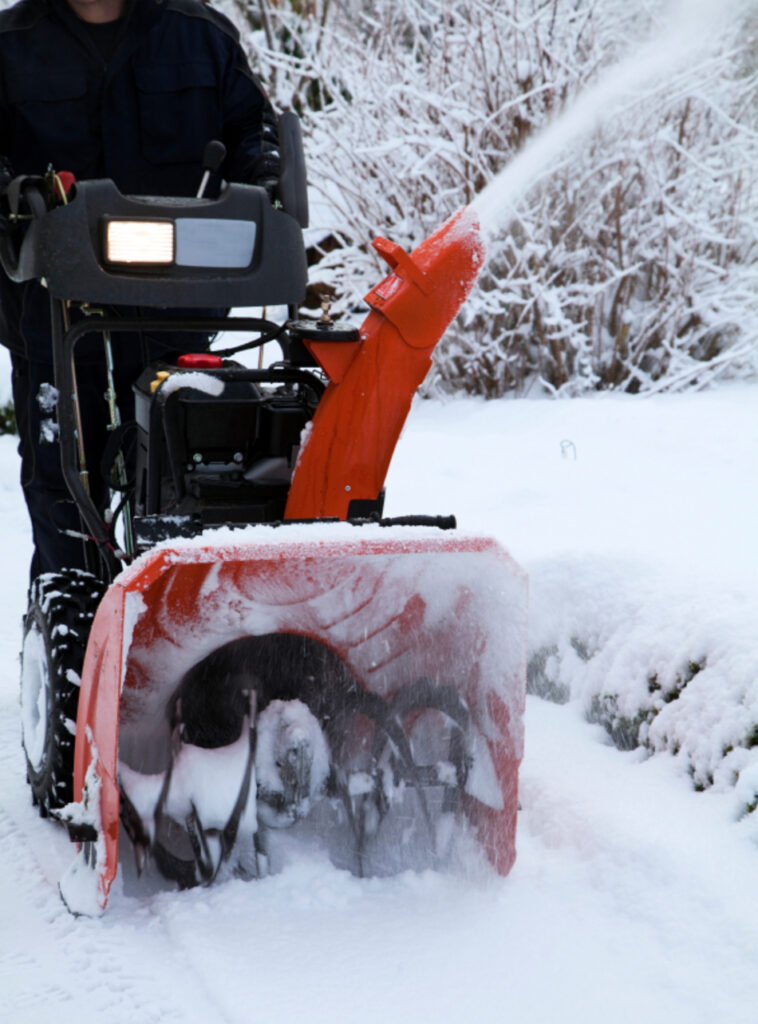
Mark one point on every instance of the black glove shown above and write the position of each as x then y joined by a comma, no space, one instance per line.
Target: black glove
265,170
6,174
6,177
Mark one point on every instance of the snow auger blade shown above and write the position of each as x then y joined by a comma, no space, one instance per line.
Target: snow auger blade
390,662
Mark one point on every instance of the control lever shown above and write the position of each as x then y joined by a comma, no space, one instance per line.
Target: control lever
213,157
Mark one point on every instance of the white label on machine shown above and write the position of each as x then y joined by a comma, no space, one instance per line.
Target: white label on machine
211,242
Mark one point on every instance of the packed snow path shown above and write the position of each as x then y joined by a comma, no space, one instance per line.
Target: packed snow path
633,896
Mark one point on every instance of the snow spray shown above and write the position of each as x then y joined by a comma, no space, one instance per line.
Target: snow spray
688,27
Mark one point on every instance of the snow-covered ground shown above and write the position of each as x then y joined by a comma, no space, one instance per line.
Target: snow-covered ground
633,896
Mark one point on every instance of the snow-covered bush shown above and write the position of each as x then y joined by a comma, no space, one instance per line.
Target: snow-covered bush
627,263
671,671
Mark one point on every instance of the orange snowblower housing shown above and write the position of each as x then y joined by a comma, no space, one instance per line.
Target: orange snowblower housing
394,608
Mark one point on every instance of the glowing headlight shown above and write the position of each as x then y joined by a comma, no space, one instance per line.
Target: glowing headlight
139,241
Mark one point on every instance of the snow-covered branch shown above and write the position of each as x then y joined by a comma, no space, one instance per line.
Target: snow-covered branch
628,261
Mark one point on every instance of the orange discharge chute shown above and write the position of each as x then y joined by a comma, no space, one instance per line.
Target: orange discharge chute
359,419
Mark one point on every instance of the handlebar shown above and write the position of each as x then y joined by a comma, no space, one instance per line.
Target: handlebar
24,191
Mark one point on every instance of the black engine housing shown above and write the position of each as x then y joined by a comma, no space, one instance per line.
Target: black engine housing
219,445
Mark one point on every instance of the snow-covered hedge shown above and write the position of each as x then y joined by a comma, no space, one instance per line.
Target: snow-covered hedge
629,261
671,671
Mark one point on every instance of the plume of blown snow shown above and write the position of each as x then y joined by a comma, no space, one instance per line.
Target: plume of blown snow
689,29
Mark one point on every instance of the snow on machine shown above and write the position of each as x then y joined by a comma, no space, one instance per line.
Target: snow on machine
256,652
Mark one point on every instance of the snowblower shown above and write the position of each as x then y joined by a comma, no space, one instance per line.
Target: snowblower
258,653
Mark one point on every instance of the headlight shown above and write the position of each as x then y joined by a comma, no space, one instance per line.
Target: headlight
201,242
139,241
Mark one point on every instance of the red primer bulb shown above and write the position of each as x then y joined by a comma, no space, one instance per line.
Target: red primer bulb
200,361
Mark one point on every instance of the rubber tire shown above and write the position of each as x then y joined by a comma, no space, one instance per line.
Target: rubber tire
56,629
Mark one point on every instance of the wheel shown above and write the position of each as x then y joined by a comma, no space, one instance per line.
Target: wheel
56,628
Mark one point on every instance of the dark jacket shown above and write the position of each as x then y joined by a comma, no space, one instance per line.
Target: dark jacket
176,78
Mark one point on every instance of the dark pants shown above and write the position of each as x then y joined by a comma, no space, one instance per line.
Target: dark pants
50,506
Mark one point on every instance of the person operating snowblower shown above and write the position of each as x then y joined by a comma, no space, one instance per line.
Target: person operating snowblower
131,90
